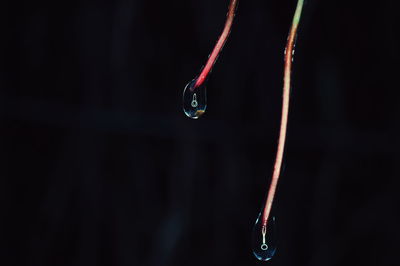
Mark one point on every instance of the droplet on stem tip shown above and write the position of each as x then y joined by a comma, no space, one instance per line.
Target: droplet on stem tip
194,100
264,238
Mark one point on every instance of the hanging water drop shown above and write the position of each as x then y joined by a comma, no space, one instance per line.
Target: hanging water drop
194,99
264,239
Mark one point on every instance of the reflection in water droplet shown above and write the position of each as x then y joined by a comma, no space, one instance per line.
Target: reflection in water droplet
264,239
194,100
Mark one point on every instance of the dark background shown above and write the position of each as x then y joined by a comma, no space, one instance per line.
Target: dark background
101,167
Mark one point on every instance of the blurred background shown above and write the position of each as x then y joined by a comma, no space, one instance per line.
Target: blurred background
101,167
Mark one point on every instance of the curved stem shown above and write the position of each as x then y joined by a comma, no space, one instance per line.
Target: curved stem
220,44
289,52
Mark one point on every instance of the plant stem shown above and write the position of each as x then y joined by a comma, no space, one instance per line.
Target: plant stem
289,52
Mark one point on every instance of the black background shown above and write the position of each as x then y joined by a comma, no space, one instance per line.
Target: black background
101,167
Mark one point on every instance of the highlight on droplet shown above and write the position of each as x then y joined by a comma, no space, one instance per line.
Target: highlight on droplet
196,89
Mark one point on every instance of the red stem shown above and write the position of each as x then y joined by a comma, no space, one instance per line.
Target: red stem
284,120
220,44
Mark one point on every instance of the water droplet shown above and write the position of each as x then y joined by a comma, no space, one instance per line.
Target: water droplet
194,100
264,238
